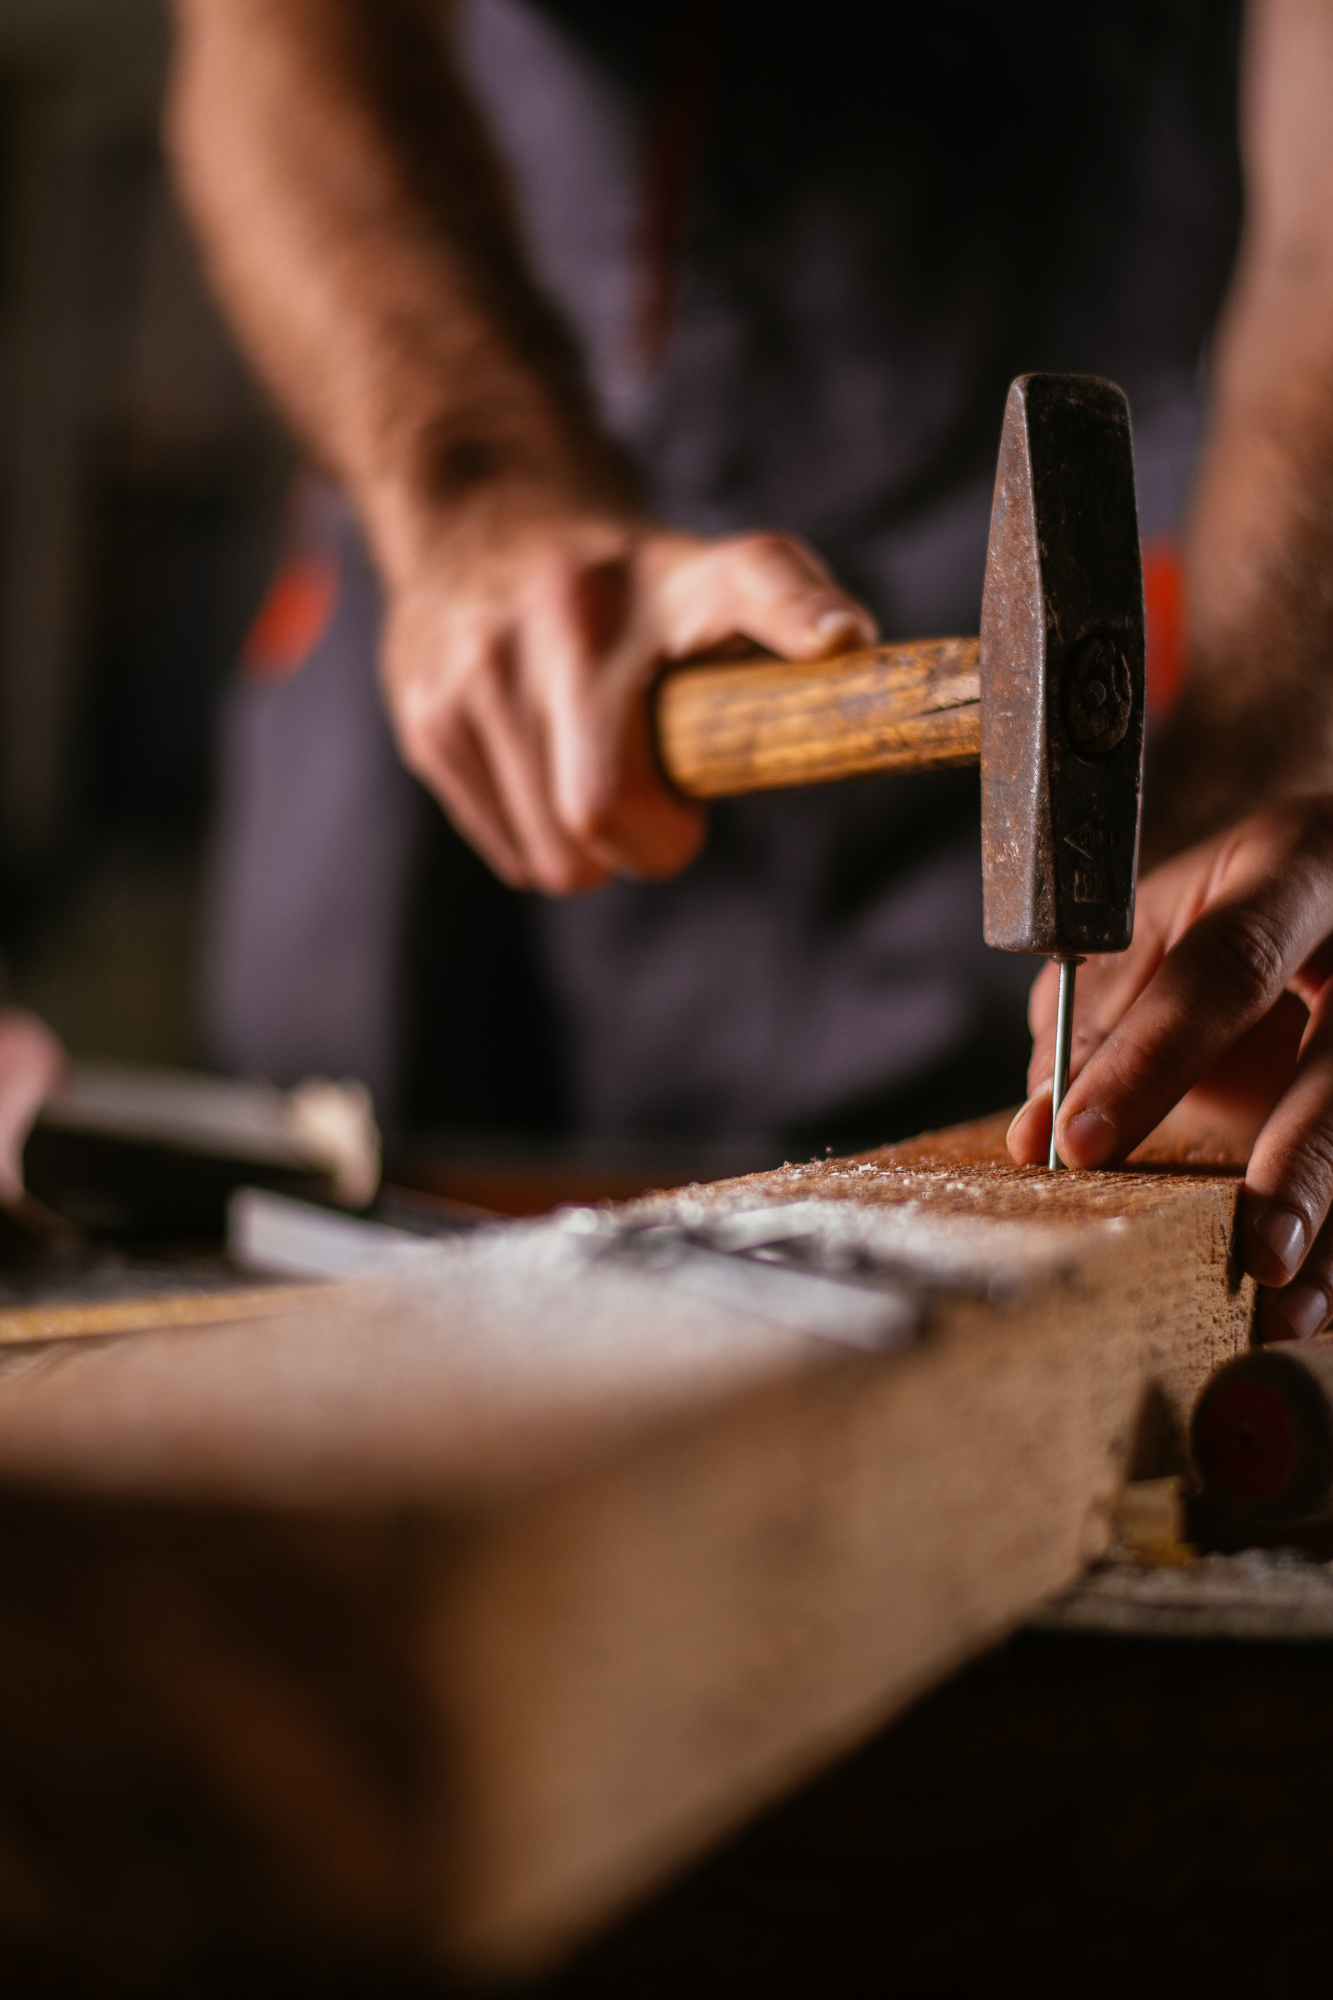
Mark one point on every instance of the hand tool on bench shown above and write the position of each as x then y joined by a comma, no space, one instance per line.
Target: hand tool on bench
1049,699
1261,1435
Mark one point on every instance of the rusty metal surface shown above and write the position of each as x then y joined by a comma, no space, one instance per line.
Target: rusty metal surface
1062,673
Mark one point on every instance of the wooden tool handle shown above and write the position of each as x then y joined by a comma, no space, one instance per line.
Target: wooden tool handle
1261,1435
725,727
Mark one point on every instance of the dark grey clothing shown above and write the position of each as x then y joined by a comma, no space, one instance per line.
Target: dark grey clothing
890,212
317,823
882,215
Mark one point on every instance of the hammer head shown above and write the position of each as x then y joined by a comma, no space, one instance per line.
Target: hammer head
1062,673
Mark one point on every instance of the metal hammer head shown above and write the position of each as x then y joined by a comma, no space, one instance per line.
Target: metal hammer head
1062,678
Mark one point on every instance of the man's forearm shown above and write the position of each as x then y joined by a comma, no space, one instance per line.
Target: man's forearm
360,232
1256,719
359,229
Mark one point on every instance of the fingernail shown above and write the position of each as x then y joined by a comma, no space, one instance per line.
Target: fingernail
1300,1309
1088,1138
839,624
1282,1231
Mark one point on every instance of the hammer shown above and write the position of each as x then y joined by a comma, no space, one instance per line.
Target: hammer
1049,699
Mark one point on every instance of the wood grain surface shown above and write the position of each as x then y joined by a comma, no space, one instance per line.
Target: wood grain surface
436,1619
726,727
29,1325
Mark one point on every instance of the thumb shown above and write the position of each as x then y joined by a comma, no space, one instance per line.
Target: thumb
766,588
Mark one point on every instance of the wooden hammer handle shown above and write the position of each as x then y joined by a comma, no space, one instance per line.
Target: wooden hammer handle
730,726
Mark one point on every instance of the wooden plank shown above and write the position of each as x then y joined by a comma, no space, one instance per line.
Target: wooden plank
26,1326
459,1608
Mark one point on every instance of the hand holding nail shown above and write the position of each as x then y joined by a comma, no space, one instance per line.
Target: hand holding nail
1218,1016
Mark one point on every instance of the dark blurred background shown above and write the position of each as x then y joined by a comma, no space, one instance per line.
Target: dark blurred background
141,487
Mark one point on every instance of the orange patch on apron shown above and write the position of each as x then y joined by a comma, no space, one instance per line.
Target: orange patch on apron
292,619
1164,608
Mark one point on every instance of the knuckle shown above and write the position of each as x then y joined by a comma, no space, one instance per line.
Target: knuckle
1306,1176
1244,967
440,744
440,758
421,755
769,553
1155,1074
477,681
563,876
762,543
424,709
591,800
592,817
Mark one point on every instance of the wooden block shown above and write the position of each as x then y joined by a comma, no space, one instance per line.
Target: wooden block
454,1609
34,1325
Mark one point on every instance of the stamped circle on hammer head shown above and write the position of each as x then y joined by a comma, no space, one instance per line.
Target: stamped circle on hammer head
1098,695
